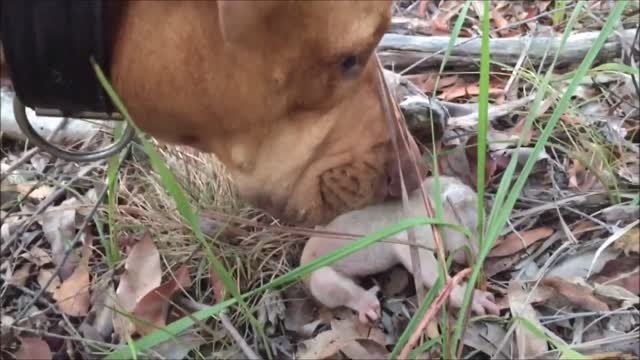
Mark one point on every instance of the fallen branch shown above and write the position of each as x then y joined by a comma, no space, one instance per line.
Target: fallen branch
400,51
76,130
470,121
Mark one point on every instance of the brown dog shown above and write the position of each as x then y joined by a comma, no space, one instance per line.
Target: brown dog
284,93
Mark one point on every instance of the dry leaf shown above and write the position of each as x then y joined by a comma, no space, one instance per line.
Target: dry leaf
579,296
32,349
571,120
446,10
539,294
179,347
528,344
583,177
98,325
624,272
428,82
59,227
271,311
43,278
486,336
143,273
299,314
219,291
40,161
629,242
40,193
453,92
347,335
584,227
394,281
365,349
350,325
618,214
422,9
514,242
625,297
38,256
73,296
461,162
578,265
629,167
496,265
499,19
20,276
440,25
518,130
153,308
324,345
614,355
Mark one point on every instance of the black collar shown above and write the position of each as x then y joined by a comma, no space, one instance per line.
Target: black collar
48,45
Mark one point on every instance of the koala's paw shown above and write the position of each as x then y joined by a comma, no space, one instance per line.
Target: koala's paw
459,195
367,305
483,302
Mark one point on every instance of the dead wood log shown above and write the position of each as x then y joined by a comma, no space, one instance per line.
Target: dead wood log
75,130
401,51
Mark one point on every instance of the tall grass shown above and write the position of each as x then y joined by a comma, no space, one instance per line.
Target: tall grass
502,207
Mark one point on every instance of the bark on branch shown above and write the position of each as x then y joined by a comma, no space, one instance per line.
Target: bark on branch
400,51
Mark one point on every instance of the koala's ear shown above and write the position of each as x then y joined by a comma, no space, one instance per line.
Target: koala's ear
238,19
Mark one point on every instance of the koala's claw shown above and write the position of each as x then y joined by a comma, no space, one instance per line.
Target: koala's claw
367,306
483,302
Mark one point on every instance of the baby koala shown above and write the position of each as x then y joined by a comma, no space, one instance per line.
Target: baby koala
334,285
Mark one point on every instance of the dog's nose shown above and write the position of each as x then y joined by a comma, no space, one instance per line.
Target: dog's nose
267,203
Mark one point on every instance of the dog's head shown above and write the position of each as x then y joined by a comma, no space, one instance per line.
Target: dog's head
285,94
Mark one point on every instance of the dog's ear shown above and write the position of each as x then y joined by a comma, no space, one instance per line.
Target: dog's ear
238,18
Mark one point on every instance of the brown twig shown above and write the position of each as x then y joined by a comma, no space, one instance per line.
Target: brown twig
437,304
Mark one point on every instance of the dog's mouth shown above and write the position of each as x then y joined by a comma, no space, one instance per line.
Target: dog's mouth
337,191
350,187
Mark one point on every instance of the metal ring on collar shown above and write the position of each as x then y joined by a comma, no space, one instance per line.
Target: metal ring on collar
33,136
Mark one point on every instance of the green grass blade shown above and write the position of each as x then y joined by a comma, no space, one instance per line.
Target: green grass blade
424,347
560,9
113,166
481,147
483,115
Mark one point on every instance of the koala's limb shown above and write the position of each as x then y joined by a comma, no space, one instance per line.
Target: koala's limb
334,289
334,286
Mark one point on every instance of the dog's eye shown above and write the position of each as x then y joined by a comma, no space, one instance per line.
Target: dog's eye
350,66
